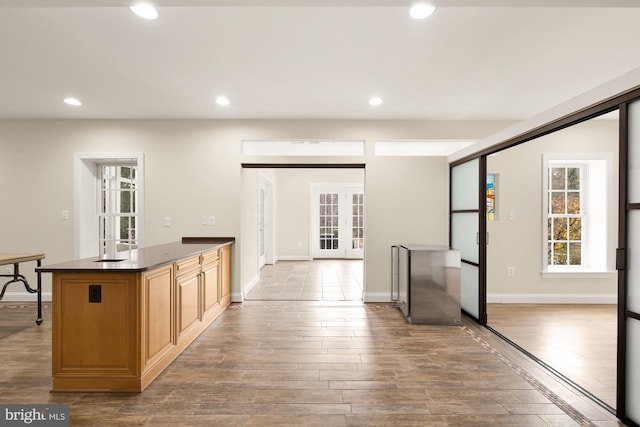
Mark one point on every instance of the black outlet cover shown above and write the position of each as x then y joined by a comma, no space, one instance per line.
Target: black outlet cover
95,293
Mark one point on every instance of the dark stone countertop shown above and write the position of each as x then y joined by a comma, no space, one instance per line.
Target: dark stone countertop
142,259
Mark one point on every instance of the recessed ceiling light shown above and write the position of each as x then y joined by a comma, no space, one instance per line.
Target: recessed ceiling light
375,101
144,10
222,100
421,10
72,101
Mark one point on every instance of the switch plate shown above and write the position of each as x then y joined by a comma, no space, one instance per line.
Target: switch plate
212,220
167,221
512,215
65,215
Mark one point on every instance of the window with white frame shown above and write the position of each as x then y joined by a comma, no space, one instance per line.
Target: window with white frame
117,208
576,206
565,213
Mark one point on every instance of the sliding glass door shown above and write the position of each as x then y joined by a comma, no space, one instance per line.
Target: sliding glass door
467,228
630,270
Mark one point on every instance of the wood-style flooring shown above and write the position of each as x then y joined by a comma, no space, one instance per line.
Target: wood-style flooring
577,340
311,363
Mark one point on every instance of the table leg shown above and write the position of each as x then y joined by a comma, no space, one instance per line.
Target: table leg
39,319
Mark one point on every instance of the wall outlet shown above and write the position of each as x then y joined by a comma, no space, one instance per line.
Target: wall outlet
511,271
65,215
512,215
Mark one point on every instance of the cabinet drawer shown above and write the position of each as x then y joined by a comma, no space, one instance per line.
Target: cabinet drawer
210,257
185,265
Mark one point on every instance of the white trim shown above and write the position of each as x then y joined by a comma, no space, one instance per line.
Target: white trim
25,297
596,238
250,284
552,298
293,258
581,274
85,198
236,297
377,297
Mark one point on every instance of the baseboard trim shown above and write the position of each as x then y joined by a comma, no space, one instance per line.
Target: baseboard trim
552,298
292,258
377,297
25,297
239,297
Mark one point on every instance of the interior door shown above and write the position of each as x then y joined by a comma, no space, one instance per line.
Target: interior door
629,272
261,225
337,221
355,223
468,233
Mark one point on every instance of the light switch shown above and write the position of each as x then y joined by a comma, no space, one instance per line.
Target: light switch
212,220
167,221
65,215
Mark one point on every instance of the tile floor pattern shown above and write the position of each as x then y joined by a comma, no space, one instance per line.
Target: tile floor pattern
317,280
310,363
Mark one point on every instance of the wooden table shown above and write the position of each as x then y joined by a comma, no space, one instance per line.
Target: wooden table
16,259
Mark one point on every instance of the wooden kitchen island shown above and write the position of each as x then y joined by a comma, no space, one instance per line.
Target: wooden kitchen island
118,323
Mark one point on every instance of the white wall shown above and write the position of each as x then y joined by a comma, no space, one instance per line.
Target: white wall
193,169
518,242
293,205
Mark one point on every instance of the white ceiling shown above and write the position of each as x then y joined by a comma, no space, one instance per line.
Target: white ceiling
309,59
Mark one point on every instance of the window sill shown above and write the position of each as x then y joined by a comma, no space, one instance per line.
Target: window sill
579,274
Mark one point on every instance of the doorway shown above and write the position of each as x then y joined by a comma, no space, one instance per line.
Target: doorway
552,225
295,272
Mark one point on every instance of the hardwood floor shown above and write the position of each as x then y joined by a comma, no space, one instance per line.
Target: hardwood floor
578,341
317,280
311,363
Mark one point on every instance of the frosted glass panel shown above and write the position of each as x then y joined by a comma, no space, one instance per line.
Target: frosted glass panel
634,152
633,370
464,185
470,289
464,235
633,261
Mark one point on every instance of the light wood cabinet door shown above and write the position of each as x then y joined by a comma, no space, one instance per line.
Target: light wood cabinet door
225,274
157,314
210,287
188,303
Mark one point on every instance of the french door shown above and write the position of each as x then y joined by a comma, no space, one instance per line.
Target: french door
337,218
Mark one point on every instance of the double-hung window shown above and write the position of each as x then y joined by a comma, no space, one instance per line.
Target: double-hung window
118,208
576,212
566,202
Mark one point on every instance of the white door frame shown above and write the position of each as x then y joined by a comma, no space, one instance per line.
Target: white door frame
344,216
266,225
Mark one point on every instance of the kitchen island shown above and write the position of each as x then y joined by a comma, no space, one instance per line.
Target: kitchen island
118,322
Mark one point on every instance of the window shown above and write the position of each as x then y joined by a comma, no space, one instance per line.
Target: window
565,214
118,208
577,211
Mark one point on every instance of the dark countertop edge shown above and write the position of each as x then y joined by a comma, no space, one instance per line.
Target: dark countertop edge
89,265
